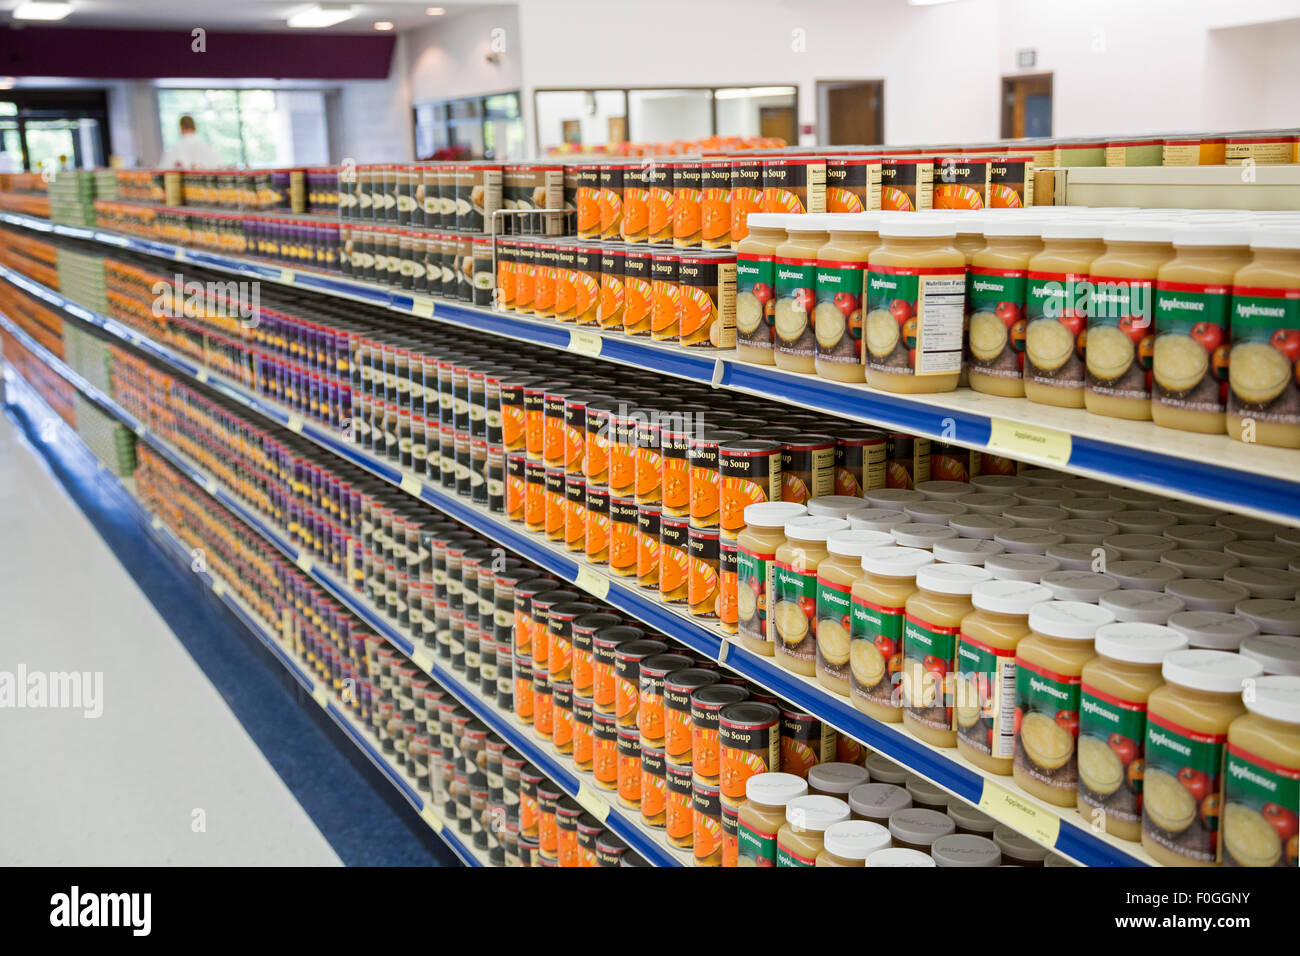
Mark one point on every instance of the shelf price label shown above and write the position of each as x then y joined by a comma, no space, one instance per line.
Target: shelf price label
422,306
218,588
430,816
588,343
304,562
422,659
1019,814
593,582
592,802
412,485
294,424
156,523
201,374
210,485
139,430
1018,440
321,697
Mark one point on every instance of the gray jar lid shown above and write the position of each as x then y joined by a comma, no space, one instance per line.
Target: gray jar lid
1265,582
922,534
1080,556
1020,567
877,519
1276,653
837,778
976,525
1028,540
1147,575
1137,498
835,506
1146,607
1055,859
1189,512
1199,536
1052,495
1035,516
965,849
926,794
1078,585
933,511
1271,616
1253,553
1212,630
969,818
1199,563
891,497
1043,476
1250,529
1088,487
1016,845
1143,522
1096,509
920,827
1139,546
944,490
878,801
1002,484
965,551
884,770
987,502
1202,595
1085,530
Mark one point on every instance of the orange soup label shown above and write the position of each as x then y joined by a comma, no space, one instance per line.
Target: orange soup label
638,295
604,762
598,531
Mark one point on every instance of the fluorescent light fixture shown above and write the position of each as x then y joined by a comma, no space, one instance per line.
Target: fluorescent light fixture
435,11
315,16
383,24
741,92
926,3
41,10
7,82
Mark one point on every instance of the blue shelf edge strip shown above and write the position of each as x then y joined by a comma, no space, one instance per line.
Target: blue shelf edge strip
1073,840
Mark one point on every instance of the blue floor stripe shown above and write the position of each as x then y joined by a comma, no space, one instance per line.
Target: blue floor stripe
365,820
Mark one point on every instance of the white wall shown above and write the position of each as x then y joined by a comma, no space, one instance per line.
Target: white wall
1252,74
449,58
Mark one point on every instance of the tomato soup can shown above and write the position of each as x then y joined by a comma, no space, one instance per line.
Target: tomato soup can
794,184
679,685
586,283
746,195
654,786
960,182
1011,182
624,518
906,183
604,643
597,539
587,199
749,742
687,199
623,449
598,426
610,850
650,705
554,523
604,755
627,678
728,581
534,496
562,719
638,291
702,573
516,485
907,460
706,704
679,824
707,284
629,768
584,630
583,741
706,816
659,183
666,296
612,299
860,461
807,468
648,485
674,558
610,200
575,513
703,476
636,214
523,696
750,471
566,278
715,204
852,183
730,835
805,742
647,545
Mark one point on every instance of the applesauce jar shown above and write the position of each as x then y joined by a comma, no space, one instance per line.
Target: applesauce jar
932,624
756,549
850,842
1193,302
986,670
1049,663
794,342
836,576
996,289
1262,786
793,595
1186,746
841,279
879,606
915,306
1121,329
1057,299
1263,391
801,838
1114,689
763,814
756,287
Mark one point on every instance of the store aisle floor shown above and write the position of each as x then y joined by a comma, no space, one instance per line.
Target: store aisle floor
196,720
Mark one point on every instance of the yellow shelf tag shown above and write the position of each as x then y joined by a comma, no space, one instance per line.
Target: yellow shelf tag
1017,440
201,375
218,588
156,523
294,424
1019,814
723,647
412,485
422,659
321,697
304,563
593,582
139,430
588,343
422,306
592,802
211,486
287,276
430,816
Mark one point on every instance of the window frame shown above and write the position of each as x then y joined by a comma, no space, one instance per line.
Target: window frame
447,123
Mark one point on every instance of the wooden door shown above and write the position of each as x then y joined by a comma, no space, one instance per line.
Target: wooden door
1026,106
779,121
854,112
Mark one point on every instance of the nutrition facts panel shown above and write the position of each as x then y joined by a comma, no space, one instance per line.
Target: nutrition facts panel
941,310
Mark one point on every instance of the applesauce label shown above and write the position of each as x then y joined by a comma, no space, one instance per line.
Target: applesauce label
1260,802
1112,733
753,585
875,652
1121,337
788,857
1056,318
794,611
915,320
1265,349
1181,789
755,302
996,300
757,847
1190,365
929,652
834,625
796,297
1047,726
837,316
985,697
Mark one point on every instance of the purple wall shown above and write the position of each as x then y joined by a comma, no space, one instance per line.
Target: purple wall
159,54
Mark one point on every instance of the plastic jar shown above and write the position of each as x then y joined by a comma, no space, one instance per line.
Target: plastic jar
996,287
1057,295
917,829
1262,787
841,279
801,838
755,287
794,342
793,597
1049,663
986,670
756,548
763,814
876,629
915,305
850,842
836,575
933,622
1186,743
1112,721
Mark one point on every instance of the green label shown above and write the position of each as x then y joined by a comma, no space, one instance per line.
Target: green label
1182,781
794,276
787,857
1051,295
1259,796
1046,704
872,670
834,623
1116,299
839,300
755,847
929,659
985,698
1256,317
993,290
1113,731
1180,307
794,611
834,602
755,300
883,288
752,593
995,301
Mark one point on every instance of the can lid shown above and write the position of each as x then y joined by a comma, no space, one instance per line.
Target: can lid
856,543
1276,653
813,527
983,526
900,856
1068,620
665,664
884,770
965,849
920,827
835,506
878,801
1150,575
855,839
773,514
1140,605
1271,616
877,519
749,714
836,777
719,695
1203,595
1138,643
1276,697
814,814
691,678
1265,582
775,789
922,534
1020,567
1218,672
896,562
1008,596
969,818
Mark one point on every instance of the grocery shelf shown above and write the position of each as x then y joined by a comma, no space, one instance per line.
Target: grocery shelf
1178,187
265,633
1064,832
1213,470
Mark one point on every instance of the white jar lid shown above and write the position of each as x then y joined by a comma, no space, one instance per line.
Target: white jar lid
1137,498
951,578
1202,595
1218,672
979,525
1289,536
1143,522
1082,228
1004,484
1036,516
855,839
1085,530
922,534
914,226
1199,562
1087,488
1248,528
933,511
835,506
1095,508
1212,630
768,220
877,519
1079,556
1070,620
1078,585
973,551
1021,567
854,543
1276,653
1148,575
1042,476
1257,553
1276,697
775,789
772,514
1190,512
1028,540
1136,604
1199,536
896,562
987,502
814,813
1138,643
1265,582
1051,495
814,527
1143,547
1008,597
945,490
900,856
891,497
1270,615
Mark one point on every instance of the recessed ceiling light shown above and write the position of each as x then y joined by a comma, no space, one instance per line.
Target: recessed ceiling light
435,11
7,82
41,10
383,24
316,17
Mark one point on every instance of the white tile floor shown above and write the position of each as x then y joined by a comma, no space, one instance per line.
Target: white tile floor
121,789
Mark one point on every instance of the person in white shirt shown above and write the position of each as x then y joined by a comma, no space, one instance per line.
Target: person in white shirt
190,152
